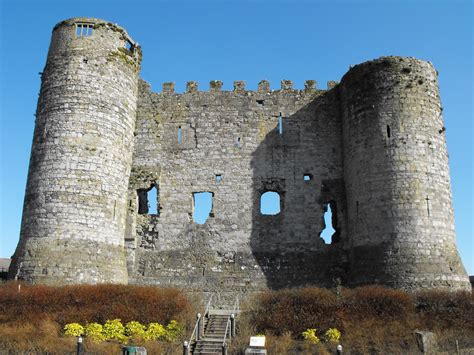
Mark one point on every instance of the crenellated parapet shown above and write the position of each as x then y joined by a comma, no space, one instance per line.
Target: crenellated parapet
239,86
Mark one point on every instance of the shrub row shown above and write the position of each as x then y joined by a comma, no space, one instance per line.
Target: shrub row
296,310
92,303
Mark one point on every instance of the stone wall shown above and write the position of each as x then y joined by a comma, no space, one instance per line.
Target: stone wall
235,135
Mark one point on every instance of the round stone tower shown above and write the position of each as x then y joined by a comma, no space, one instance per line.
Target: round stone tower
76,196
400,212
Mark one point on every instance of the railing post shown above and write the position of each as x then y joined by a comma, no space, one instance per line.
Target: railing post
339,349
185,348
232,325
199,327
224,349
80,347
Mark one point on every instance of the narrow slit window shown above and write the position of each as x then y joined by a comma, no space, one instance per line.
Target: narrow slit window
238,143
180,135
202,208
280,124
270,203
328,231
388,131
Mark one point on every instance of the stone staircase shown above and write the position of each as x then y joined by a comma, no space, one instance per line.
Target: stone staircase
214,326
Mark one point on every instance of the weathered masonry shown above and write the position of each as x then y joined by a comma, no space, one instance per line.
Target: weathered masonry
116,171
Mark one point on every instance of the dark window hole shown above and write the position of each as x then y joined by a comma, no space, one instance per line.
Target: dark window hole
261,102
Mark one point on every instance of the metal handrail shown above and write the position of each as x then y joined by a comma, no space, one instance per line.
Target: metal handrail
229,322
206,311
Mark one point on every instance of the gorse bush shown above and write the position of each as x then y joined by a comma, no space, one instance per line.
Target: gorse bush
310,336
135,331
74,329
332,335
95,332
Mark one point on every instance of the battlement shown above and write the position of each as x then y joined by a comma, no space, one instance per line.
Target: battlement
215,86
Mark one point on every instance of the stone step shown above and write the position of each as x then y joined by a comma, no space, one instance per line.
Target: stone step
221,312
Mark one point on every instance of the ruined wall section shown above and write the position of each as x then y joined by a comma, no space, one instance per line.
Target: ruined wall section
75,203
401,221
234,135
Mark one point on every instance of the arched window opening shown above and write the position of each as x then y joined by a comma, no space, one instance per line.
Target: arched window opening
270,203
329,230
202,206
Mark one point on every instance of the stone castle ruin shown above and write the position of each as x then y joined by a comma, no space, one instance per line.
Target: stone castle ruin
371,148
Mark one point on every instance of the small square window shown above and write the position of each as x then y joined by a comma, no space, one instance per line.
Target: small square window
307,177
218,177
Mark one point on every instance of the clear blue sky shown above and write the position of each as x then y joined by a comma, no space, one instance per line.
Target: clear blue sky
245,40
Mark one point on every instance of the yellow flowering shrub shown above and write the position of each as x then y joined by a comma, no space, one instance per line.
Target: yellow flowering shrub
332,335
135,330
114,330
154,331
310,336
95,332
173,331
73,329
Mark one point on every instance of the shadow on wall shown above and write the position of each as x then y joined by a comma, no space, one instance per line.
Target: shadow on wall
300,160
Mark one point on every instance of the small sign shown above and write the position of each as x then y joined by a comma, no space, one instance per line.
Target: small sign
258,341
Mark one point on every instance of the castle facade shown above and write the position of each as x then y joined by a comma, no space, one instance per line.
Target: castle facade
372,149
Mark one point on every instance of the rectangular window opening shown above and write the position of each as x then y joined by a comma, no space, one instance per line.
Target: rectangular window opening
270,203
388,131
84,29
129,46
218,177
307,177
149,201
261,102
202,208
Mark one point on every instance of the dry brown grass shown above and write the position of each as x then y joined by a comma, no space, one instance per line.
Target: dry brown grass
32,320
